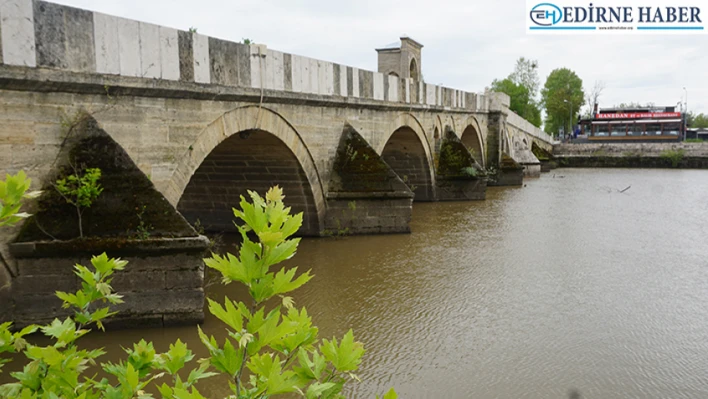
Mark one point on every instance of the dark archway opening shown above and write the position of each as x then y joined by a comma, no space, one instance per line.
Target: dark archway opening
405,154
250,160
471,140
414,70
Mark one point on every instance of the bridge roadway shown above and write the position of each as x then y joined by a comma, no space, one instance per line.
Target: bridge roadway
207,119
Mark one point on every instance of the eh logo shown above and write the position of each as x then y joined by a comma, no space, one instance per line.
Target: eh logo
546,14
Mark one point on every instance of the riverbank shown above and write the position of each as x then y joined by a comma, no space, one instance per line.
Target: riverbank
632,155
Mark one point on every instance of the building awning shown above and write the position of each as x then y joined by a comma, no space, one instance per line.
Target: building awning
624,122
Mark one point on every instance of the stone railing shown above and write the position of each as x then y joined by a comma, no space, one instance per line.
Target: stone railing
41,34
526,126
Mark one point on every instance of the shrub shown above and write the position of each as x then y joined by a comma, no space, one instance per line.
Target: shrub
80,190
275,341
673,156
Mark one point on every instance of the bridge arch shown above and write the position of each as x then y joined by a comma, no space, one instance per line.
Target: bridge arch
473,140
407,151
248,148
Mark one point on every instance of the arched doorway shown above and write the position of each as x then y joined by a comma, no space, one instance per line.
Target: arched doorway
472,140
405,154
414,69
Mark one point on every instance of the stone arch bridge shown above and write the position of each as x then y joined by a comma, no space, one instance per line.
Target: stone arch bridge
207,119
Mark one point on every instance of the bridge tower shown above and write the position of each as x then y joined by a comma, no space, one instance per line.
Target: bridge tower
401,59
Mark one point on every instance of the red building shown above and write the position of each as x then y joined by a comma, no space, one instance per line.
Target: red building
634,124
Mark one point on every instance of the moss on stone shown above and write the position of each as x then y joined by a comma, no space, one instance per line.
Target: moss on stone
508,163
129,199
454,159
540,153
358,168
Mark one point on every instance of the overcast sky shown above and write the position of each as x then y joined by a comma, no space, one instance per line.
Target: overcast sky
467,43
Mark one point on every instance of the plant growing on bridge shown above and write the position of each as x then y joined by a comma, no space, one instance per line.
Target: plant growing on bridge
80,189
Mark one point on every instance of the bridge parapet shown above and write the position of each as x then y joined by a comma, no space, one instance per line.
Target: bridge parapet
40,34
527,127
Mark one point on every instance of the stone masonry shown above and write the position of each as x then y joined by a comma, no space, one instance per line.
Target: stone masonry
172,98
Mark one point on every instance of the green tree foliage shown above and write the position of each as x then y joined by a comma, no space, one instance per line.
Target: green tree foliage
699,121
80,190
526,74
521,101
271,338
12,191
522,88
562,96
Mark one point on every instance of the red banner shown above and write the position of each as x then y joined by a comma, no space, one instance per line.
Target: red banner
639,115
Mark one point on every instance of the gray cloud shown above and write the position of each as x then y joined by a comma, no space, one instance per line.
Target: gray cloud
467,43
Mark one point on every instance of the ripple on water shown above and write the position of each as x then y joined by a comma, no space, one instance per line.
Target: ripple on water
562,284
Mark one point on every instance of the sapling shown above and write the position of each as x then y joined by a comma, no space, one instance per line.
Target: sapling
81,190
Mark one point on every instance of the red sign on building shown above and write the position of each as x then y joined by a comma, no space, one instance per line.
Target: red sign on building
639,115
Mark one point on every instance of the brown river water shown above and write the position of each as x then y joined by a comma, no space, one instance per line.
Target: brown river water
564,284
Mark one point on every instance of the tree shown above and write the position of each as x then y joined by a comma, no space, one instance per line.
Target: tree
521,101
526,74
80,190
697,121
562,96
592,97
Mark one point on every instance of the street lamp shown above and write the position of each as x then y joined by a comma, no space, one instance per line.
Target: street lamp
570,116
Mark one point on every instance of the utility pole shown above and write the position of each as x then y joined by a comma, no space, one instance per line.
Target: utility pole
570,116
685,116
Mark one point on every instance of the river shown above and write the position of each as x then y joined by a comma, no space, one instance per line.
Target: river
565,283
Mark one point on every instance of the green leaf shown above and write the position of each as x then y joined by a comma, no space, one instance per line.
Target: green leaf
316,389
284,283
199,374
175,359
344,357
132,377
391,394
227,360
229,314
282,251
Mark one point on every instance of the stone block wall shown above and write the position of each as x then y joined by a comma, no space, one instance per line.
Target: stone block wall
629,149
368,215
461,189
253,160
162,286
633,155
